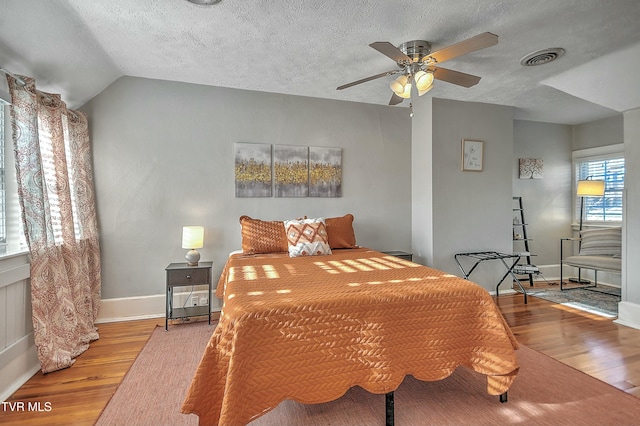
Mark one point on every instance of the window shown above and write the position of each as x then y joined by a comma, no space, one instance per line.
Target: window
605,163
12,238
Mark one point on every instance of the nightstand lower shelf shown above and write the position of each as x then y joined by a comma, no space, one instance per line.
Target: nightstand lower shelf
189,311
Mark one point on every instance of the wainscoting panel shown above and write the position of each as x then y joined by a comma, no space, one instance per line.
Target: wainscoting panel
16,300
18,360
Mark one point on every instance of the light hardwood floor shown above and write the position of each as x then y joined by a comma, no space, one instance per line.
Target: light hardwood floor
77,395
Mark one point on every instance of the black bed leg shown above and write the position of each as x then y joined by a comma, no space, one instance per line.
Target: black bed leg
503,397
389,408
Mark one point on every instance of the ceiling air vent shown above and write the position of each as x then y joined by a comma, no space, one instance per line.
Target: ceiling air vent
205,2
542,57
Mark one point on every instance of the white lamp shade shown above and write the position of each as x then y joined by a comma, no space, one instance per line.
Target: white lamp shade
423,91
407,91
424,80
192,237
398,85
590,188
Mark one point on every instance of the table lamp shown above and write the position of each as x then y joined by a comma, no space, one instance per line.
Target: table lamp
192,239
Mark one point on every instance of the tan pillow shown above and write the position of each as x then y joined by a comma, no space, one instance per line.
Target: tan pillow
259,236
340,231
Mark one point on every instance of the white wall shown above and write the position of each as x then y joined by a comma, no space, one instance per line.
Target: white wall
470,211
547,201
422,182
629,308
163,156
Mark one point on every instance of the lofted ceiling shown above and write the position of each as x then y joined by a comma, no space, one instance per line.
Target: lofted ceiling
308,48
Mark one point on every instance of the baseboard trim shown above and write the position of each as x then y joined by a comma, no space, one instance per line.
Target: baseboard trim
17,384
22,364
143,307
628,314
503,291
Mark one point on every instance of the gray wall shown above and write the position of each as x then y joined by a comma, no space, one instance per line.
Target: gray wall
608,131
163,157
546,201
470,211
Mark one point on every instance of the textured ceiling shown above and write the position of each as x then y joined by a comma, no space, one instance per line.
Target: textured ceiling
308,48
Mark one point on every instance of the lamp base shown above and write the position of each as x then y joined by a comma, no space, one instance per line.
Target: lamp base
192,257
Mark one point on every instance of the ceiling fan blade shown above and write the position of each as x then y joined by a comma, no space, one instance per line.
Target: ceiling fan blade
390,50
395,100
364,80
467,46
455,77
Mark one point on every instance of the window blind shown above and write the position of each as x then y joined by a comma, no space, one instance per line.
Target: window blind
611,170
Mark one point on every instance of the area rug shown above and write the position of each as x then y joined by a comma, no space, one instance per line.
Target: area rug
601,300
546,392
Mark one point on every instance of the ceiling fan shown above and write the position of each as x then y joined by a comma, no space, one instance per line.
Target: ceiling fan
418,65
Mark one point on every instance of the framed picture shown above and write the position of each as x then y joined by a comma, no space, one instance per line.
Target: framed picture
291,171
531,168
325,172
472,152
253,170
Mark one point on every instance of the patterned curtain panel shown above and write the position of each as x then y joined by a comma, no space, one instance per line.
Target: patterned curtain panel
56,193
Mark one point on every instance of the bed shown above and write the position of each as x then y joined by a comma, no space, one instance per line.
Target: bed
308,328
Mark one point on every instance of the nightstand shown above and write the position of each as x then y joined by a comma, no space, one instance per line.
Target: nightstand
183,275
400,254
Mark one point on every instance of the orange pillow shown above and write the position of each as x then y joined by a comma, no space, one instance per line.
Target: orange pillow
340,232
259,236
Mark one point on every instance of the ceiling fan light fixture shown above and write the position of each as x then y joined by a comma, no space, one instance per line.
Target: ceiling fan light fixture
424,80
417,63
398,85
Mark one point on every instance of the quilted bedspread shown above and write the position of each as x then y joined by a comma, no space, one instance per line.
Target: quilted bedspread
310,328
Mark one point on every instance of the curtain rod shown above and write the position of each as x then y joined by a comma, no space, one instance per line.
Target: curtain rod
20,81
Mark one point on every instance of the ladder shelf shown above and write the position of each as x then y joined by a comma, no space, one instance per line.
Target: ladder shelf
521,242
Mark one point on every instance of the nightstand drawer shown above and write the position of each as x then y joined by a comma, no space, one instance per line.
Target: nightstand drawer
188,276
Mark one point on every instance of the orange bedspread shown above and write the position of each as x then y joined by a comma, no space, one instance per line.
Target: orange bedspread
310,328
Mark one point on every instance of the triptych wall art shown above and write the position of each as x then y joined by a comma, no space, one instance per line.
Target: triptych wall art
263,170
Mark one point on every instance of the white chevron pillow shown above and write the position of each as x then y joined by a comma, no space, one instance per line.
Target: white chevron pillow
307,237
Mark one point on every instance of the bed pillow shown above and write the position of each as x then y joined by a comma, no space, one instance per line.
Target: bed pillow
601,242
307,237
260,236
340,231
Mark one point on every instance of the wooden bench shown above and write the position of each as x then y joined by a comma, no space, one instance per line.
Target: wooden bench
600,250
